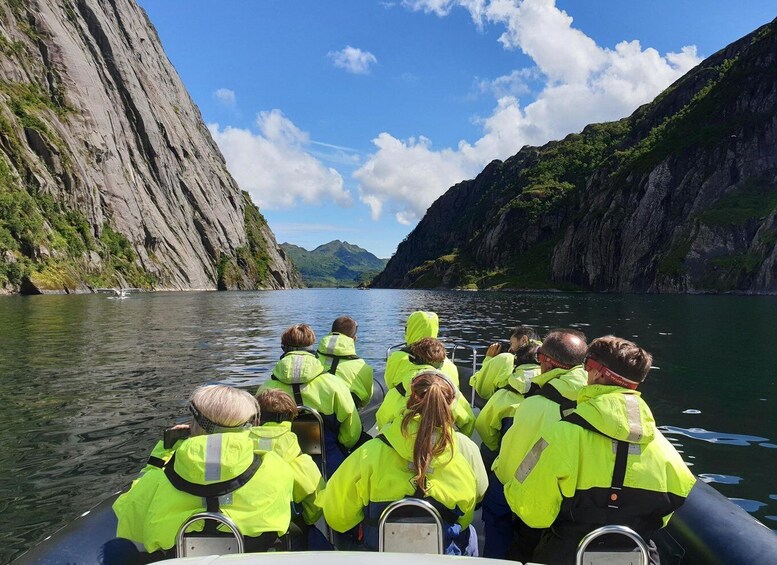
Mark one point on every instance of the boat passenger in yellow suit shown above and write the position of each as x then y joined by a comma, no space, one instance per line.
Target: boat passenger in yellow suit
494,420
425,354
337,353
417,455
277,410
551,393
498,365
216,469
604,463
419,325
300,374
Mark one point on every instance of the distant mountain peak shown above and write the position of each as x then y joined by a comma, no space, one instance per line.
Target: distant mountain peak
336,263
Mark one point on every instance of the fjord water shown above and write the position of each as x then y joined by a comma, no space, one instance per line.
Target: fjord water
88,383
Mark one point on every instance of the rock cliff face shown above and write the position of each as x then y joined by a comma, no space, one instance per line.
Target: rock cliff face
679,197
109,175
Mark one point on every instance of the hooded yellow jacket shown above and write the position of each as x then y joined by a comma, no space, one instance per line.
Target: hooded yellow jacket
497,414
377,474
278,438
535,412
565,479
358,375
319,390
395,403
419,325
153,510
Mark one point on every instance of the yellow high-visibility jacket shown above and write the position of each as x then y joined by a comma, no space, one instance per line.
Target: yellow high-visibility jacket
340,350
536,412
153,510
278,438
566,478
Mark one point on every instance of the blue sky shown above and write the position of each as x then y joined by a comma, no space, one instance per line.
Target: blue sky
346,119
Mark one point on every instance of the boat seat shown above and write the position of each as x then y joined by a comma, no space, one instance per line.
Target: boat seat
637,556
410,525
309,428
199,544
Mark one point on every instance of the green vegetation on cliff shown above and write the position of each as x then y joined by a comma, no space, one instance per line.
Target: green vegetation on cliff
337,263
249,267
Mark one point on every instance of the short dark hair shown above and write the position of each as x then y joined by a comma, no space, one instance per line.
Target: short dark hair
298,335
621,356
523,331
345,325
565,346
429,350
527,354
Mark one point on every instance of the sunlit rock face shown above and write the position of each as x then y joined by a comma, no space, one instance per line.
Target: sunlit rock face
128,185
679,197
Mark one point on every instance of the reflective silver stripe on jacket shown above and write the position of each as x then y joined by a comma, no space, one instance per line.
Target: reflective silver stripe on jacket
530,461
634,420
213,457
265,444
331,344
296,369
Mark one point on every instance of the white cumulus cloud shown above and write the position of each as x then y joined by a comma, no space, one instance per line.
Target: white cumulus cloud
581,83
274,166
353,60
226,97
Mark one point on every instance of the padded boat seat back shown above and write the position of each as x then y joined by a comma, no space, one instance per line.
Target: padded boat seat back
209,541
588,555
410,525
309,428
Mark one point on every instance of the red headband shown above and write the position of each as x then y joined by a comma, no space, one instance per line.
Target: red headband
552,362
610,375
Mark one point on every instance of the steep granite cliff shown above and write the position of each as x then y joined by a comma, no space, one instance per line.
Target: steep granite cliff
679,197
108,175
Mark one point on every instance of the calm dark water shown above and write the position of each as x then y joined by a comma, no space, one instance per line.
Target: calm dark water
88,383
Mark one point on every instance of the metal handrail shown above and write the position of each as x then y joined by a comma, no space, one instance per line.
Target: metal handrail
180,547
613,529
415,502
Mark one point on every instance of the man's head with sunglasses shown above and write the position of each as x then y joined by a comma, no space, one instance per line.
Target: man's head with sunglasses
562,349
614,361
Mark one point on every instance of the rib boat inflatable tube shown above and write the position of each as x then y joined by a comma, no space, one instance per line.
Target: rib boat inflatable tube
708,528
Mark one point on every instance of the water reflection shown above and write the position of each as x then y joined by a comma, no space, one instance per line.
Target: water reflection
713,437
88,383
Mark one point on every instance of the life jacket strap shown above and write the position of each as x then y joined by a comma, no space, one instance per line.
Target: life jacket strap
448,516
213,489
156,461
621,460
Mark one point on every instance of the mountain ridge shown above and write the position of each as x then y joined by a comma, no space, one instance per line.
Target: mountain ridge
677,197
336,263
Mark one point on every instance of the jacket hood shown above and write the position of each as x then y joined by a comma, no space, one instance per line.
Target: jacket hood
523,376
617,412
214,458
297,367
337,344
567,381
420,325
271,429
404,445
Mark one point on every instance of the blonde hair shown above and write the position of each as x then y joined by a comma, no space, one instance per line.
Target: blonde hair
223,405
431,396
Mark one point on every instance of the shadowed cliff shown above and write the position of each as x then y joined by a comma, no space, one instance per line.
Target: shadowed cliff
679,197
